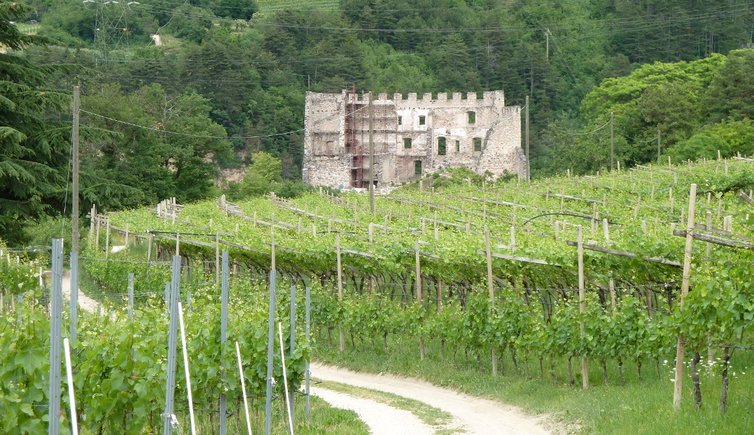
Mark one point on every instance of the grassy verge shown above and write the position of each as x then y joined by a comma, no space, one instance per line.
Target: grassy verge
642,405
323,419
428,414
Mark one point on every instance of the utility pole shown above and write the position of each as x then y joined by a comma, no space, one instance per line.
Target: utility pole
659,145
75,215
612,141
371,154
528,158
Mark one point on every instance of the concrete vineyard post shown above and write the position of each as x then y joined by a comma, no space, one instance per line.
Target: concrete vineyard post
130,295
56,314
270,346
224,340
168,415
307,373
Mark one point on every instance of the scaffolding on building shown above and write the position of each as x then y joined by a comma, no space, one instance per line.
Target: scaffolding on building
354,147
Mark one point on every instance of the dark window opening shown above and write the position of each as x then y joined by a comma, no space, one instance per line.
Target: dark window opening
406,142
422,120
400,120
441,146
458,146
472,117
477,144
417,167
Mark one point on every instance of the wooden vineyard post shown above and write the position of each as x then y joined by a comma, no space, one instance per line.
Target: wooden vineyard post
419,294
491,288
177,244
582,309
680,347
341,337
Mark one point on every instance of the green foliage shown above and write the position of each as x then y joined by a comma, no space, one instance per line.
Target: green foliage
33,148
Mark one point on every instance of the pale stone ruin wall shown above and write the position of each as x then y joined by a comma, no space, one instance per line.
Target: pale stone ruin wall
496,127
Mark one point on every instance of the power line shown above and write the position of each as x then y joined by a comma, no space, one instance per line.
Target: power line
177,133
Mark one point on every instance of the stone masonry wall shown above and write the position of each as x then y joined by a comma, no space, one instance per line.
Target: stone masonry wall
410,130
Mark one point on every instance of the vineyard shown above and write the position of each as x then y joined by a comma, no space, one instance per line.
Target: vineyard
624,270
587,268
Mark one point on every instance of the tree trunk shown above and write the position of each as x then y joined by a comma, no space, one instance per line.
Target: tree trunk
603,363
724,390
515,362
571,378
552,371
620,371
695,380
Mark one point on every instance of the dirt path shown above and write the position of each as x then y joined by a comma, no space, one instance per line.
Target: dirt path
85,302
381,418
475,415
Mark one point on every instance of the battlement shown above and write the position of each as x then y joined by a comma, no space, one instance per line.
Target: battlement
486,98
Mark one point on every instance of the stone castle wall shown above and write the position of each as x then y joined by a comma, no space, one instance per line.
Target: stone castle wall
441,130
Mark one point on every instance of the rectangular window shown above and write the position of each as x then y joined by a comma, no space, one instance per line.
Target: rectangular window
472,117
477,144
406,142
458,146
400,120
418,167
422,120
441,146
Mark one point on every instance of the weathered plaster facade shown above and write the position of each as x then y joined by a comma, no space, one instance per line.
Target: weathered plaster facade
412,137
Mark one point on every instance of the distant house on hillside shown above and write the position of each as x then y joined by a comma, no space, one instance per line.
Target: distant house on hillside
411,137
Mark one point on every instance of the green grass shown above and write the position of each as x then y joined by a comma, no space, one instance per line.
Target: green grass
426,413
641,406
323,420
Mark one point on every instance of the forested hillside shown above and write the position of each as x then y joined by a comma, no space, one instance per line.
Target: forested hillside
230,76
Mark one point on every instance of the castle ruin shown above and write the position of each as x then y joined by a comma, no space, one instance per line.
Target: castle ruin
411,137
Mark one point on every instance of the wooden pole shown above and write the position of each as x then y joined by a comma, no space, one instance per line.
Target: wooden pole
341,337
419,294
491,289
582,309
680,346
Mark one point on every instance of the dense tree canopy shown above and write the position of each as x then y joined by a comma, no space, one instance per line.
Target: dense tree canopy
33,149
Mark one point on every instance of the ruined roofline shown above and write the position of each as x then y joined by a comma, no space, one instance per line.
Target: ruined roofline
487,97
